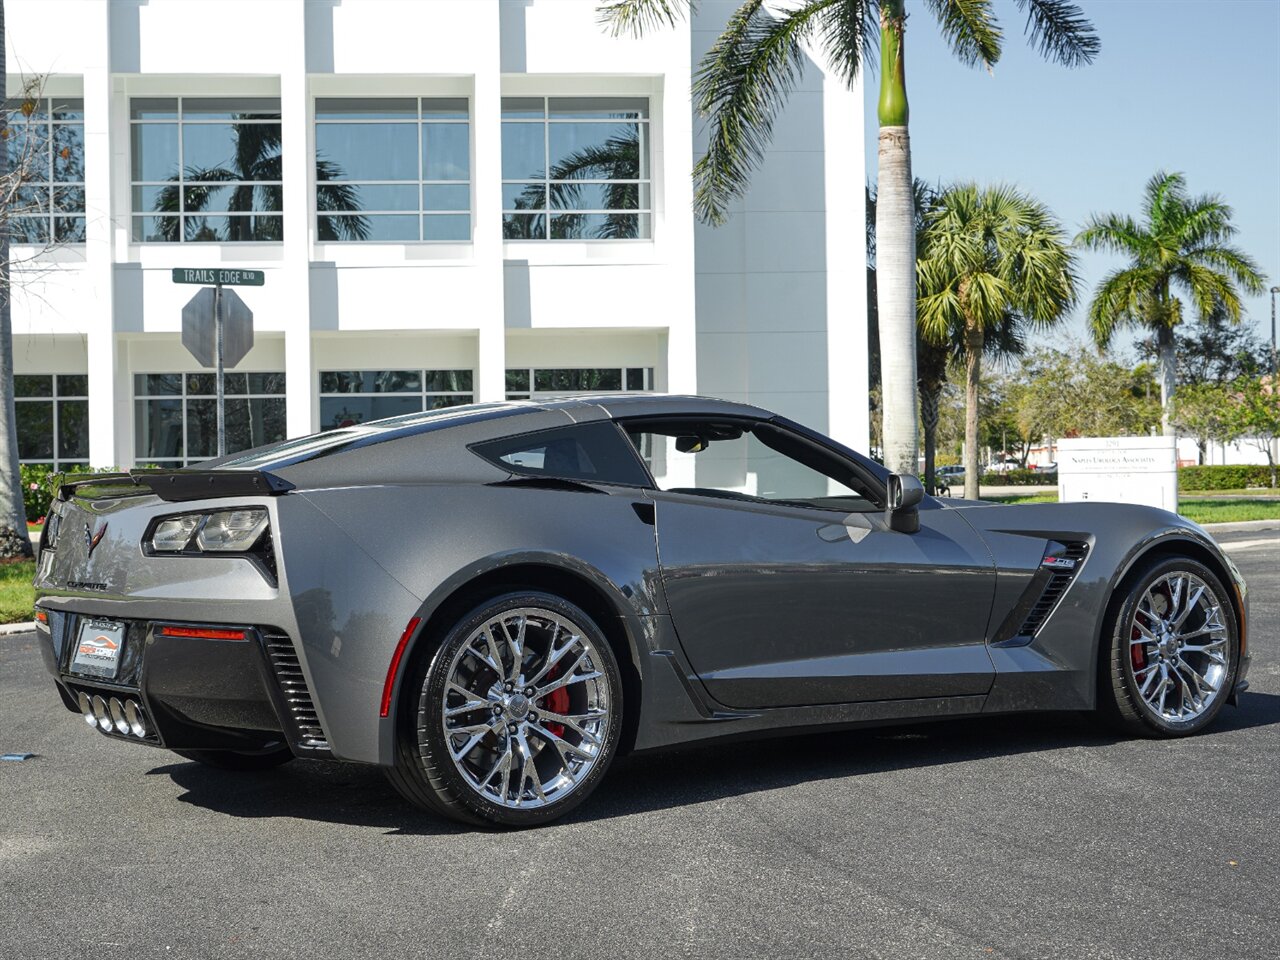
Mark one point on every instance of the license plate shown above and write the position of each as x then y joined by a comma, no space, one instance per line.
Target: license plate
98,648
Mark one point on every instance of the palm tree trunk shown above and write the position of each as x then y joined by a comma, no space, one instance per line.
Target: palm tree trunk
896,251
1168,375
973,339
929,396
14,541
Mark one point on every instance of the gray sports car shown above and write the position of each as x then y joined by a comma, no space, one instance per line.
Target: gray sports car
492,602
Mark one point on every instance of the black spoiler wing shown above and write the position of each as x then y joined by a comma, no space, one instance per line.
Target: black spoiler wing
177,486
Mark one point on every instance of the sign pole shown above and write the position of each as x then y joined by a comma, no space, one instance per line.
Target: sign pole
222,422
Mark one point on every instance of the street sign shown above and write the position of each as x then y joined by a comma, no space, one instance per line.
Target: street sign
219,276
217,328
200,328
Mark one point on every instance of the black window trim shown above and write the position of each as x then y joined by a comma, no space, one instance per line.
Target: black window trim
810,438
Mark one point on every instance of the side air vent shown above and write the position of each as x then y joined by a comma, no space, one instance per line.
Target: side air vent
293,685
1062,561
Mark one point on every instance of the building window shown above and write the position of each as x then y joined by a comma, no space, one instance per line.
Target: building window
44,140
533,383
576,168
348,397
393,169
176,415
53,418
206,169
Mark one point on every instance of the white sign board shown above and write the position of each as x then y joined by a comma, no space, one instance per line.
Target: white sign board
1119,470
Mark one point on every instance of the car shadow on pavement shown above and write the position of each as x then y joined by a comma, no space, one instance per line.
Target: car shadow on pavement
359,795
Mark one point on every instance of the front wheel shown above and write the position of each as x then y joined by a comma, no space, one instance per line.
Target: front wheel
1174,651
515,718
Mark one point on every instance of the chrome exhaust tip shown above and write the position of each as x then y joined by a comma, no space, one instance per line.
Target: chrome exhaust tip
117,716
135,718
101,714
86,708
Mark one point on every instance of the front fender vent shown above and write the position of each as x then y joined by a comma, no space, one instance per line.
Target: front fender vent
1058,569
293,687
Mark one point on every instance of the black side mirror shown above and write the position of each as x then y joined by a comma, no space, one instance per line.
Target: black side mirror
904,493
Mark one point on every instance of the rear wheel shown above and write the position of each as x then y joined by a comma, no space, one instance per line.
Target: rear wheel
238,760
516,716
1174,650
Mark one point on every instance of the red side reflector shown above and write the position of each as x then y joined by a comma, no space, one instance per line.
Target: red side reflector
203,633
42,616
395,665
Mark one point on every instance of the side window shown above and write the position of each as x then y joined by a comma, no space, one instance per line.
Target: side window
748,460
594,452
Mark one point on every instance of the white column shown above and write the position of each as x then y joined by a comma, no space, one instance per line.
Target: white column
294,275
486,180
848,404
109,399
674,229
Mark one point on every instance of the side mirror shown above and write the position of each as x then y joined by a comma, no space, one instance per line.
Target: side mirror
904,493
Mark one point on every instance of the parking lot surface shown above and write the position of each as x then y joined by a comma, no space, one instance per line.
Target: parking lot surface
1027,837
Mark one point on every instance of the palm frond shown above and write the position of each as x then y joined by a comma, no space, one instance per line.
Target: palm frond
1115,233
1060,31
1161,197
971,29
1213,293
1123,298
1233,261
740,85
849,32
637,17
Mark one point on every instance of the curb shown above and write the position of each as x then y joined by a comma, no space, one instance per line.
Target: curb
1241,526
9,629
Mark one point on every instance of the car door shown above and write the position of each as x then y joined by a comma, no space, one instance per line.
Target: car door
787,587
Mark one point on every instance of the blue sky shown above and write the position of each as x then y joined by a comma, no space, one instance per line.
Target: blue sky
1180,85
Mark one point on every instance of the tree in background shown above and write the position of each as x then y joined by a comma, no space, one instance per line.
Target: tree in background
1212,351
1202,411
1075,392
750,71
1255,416
993,259
1182,243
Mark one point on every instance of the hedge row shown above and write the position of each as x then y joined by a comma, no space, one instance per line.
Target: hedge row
1232,476
1020,478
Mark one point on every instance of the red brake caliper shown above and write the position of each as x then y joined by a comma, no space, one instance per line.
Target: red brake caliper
1137,651
557,701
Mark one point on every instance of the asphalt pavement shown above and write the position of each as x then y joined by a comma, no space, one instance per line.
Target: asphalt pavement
1028,837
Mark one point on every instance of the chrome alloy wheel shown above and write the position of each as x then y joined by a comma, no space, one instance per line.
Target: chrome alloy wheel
526,708
1178,647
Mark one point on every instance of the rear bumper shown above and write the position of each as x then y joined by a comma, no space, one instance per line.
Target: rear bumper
196,693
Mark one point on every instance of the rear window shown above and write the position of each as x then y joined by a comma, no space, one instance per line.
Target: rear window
595,452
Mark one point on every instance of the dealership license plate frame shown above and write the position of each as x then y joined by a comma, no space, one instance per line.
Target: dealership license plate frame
98,660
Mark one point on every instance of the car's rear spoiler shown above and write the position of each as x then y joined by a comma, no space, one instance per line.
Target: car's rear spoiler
177,486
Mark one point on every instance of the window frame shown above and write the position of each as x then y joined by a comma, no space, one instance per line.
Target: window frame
647,375
50,104
186,459
419,184
644,214
55,399
182,183
802,435
422,392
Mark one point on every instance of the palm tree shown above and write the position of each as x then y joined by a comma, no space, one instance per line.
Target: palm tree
256,158
1181,243
14,540
994,260
747,75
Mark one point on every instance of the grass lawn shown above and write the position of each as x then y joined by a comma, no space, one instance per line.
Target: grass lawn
1197,508
16,592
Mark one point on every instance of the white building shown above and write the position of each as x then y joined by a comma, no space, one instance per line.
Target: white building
411,177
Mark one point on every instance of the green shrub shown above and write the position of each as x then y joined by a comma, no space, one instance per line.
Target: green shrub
37,486
1231,476
1020,478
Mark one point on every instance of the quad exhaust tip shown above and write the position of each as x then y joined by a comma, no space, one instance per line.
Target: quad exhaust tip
124,717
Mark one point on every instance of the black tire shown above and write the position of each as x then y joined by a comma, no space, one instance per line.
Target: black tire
1120,700
425,772
238,760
